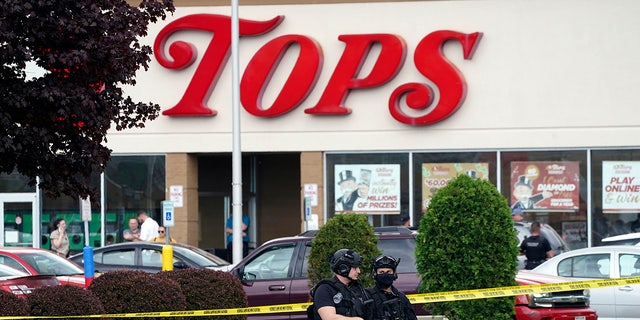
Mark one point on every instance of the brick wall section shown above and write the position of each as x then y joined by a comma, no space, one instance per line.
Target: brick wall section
182,170
311,171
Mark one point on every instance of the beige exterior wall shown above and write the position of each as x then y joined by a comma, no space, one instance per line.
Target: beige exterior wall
193,3
182,170
311,171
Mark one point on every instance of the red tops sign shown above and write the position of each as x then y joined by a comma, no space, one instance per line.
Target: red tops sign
428,59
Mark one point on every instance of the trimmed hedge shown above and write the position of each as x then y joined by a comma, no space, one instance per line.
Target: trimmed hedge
63,300
126,291
466,240
208,289
12,305
343,231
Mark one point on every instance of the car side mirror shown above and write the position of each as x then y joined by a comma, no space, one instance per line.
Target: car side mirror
180,265
248,278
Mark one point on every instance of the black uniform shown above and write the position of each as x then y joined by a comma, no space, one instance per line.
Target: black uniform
535,248
392,305
348,300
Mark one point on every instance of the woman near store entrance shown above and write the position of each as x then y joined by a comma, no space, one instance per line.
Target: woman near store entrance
60,238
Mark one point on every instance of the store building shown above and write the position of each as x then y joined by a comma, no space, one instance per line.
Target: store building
388,98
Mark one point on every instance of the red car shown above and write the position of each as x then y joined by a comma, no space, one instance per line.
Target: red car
36,261
566,305
276,273
20,283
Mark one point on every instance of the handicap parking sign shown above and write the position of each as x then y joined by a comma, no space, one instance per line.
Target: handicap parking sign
167,216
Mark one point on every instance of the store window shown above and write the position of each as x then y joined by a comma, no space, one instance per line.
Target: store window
68,208
432,171
375,184
615,193
549,187
133,183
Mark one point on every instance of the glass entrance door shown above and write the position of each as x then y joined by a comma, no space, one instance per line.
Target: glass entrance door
19,220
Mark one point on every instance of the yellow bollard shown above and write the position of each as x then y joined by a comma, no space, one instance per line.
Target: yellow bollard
167,257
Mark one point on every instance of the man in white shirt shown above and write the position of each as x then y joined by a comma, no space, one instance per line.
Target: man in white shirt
148,226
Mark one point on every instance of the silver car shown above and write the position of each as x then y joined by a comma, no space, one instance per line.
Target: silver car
622,302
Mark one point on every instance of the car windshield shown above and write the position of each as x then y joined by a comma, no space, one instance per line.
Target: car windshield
403,249
49,263
201,257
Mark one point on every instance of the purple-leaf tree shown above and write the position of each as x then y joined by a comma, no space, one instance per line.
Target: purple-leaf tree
63,64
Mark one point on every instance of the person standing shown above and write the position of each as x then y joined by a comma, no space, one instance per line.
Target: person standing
133,233
388,302
148,227
516,214
245,236
162,236
340,297
405,221
535,247
60,238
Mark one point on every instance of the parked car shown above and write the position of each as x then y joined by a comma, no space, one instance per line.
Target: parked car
276,273
147,256
558,245
35,261
605,262
21,283
629,239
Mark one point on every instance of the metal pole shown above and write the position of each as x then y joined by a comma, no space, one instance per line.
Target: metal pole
236,154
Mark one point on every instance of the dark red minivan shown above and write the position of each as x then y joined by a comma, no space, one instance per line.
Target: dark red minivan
276,273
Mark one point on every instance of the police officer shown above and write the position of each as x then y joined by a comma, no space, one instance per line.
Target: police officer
388,302
535,247
340,297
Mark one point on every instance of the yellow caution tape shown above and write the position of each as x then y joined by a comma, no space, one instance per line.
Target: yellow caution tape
518,290
413,298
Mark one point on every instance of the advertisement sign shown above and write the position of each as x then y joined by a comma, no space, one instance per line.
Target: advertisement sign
545,185
438,175
621,186
367,188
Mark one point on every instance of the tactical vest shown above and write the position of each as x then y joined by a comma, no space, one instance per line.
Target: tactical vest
346,307
386,309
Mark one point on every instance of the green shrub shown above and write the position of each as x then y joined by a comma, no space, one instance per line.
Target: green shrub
466,240
208,289
343,231
63,300
126,291
12,305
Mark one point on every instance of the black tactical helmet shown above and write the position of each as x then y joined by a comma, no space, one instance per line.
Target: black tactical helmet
384,262
343,260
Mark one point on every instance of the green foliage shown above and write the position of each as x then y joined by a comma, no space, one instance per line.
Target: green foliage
126,291
208,289
466,240
64,300
12,305
55,117
343,231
